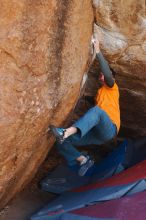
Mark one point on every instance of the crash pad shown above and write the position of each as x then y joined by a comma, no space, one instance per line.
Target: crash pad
127,208
127,182
127,154
64,177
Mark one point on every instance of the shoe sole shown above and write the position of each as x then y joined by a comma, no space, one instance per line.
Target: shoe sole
82,173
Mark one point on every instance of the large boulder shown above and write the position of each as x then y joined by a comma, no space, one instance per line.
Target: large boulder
44,50
121,29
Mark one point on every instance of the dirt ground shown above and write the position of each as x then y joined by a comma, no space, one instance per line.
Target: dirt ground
32,198
25,204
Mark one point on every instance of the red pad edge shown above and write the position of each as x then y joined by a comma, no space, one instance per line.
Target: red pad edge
130,175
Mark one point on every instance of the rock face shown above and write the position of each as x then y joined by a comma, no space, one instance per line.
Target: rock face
44,50
121,29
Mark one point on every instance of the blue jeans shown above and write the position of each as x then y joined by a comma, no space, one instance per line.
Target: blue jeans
95,127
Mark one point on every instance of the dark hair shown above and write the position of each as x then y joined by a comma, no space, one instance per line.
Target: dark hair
113,72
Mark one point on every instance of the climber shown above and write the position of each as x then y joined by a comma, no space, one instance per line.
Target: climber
97,126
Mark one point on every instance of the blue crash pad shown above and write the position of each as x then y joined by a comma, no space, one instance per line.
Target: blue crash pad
100,185
64,178
126,183
126,208
127,154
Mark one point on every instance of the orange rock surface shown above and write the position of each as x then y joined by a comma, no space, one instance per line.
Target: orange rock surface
44,49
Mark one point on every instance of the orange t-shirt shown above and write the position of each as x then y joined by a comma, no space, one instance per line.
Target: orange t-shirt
108,100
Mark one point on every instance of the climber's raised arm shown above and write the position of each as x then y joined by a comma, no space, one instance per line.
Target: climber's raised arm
105,70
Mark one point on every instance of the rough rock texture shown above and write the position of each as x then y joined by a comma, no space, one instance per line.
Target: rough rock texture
121,29
44,49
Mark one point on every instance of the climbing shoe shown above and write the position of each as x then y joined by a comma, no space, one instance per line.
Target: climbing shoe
58,132
85,166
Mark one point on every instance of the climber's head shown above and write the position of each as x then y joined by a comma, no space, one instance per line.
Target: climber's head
101,77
